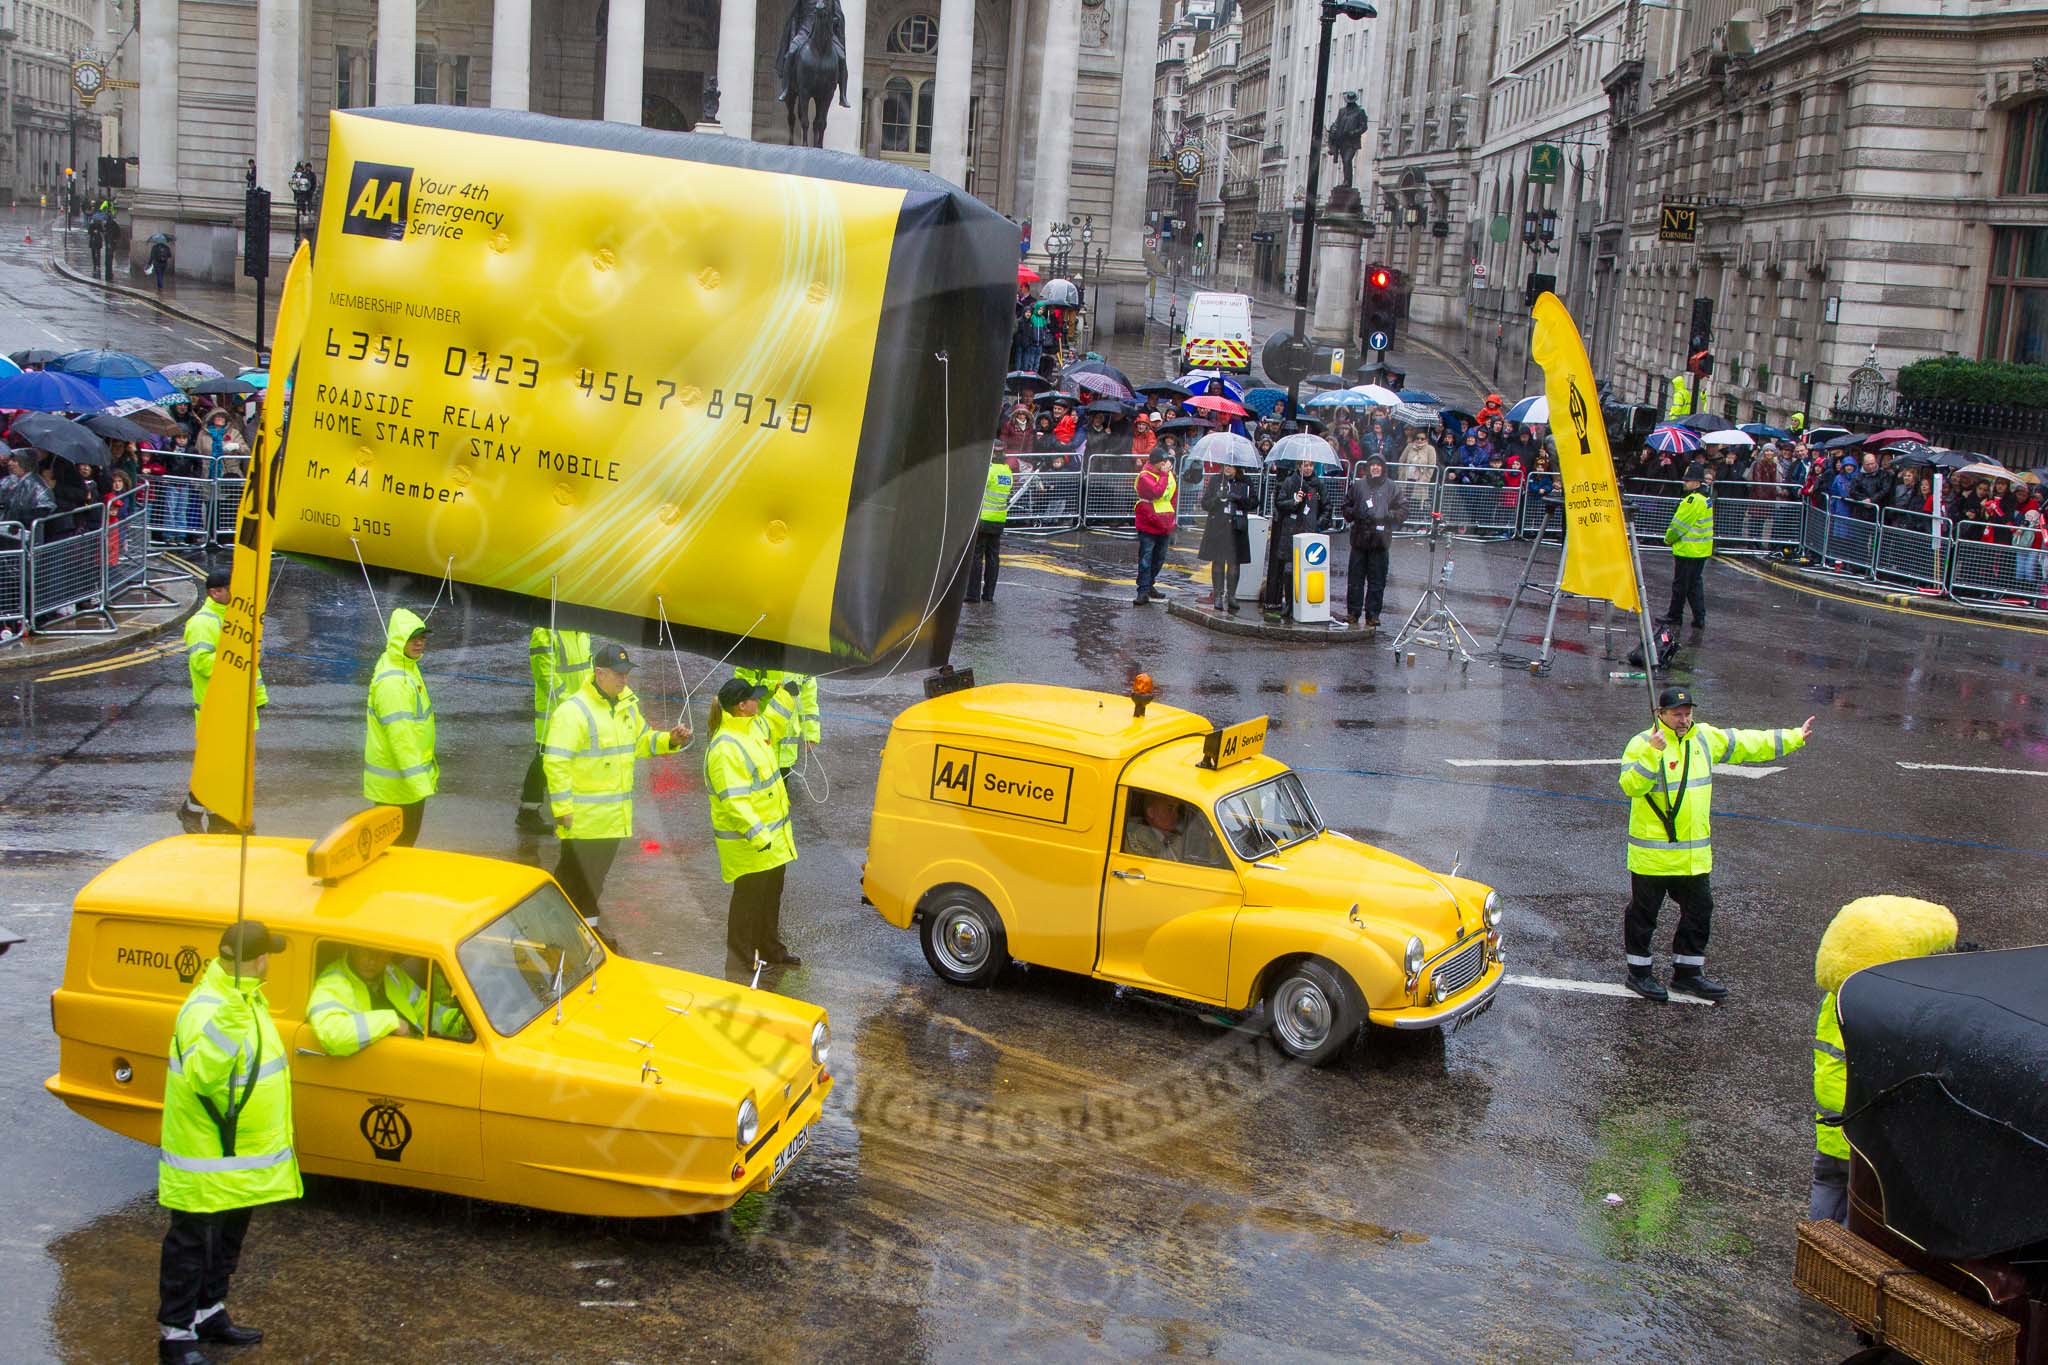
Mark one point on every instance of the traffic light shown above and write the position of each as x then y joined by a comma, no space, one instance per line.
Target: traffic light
1382,309
256,234
1701,364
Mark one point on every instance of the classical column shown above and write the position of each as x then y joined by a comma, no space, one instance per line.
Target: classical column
1134,138
159,97
280,96
955,79
397,42
1060,47
511,53
737,66
625,60
842,127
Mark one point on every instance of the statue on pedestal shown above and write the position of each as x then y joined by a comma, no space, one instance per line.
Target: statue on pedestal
1344,136
810,63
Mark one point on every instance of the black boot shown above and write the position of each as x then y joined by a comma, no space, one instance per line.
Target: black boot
220,1330
1644,984
184,1352
532,820
1693,981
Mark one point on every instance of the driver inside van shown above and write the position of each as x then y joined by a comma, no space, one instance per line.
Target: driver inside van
1166,828
363,996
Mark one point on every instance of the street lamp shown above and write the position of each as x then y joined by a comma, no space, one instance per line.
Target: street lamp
1332,10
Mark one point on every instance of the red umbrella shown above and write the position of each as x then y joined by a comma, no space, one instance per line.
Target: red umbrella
1216,403
1026,275
1893,434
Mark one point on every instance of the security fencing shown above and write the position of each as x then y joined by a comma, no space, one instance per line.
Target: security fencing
126,539
181,510
1986,566
67,573
1044,500
1909,546
1109,493
13,578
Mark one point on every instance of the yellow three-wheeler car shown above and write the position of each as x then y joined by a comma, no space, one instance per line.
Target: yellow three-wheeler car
1141,845
567,1077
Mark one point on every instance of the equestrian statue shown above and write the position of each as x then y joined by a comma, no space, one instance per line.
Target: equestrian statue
810,63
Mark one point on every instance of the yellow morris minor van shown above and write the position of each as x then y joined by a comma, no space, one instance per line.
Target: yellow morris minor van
1140,844
570,1078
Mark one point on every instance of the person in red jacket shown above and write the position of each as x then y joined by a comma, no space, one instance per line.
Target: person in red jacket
1155,514
1144,434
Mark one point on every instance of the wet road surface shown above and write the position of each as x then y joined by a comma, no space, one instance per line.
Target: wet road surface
1044,1168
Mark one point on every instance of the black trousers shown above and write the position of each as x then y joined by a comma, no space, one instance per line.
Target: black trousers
533,789
981,568
1365,586
1695,902
1278,593
753,921
199,1257
1688,587
583,866
409,832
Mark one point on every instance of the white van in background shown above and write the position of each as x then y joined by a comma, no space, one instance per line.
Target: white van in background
1218,334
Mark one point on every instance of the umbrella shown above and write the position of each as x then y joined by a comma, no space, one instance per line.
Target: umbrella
61,437
1046,400
1950,460
1060,294
1704,422
1415,415
117,428
1765,432
1892,434
260,378
146,415
1734,436
1423,396
1988,471
1324,381
1671,439
49,391
1021,380
1841,443
1909,452
185,373
1535,408
1026,275
115,374
1209,381
1462,417
1307,423
1302,446
1185,424
1378,395
1160,388
222,387
1216,403
1264,401
1106,409
1227,448
1095,365
1343,398
27,358
8,367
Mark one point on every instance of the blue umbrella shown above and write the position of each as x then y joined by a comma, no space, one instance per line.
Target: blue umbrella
49,391
1342,398
1423,396
1673,440
115,374
1210,382
8,367
1765,432
1264,401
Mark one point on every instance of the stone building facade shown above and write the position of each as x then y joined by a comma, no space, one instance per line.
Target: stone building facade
1869,182
43,125
1041,108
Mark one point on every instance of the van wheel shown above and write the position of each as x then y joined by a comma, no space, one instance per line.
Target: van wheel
1312,1011
963,938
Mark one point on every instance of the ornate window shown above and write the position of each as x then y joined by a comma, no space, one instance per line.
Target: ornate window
898,111
2026,150
916,35
2016,299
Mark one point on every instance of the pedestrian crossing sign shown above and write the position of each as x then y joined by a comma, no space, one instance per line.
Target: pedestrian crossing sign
1545,160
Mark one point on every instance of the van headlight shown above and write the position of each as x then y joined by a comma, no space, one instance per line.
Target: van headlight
1411,960
749,1126
1493,909
821,1043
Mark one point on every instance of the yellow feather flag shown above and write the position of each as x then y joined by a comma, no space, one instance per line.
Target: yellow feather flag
1597,561
224,761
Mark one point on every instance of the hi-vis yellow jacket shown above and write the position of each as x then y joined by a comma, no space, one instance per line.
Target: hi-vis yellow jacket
592,743
1691,532
343,1011
399,766
226,1055
202,638
1678,785
749,804
1830,1081
560,663
787,717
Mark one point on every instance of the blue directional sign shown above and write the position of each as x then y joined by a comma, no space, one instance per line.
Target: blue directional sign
1314,553
1379,341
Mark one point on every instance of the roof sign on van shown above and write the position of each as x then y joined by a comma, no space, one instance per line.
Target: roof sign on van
1234,743
999,783
354,844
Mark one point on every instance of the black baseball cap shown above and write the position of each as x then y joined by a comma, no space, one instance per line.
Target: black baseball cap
1695,472
219,578
249,939
1673,696
614,657
736,690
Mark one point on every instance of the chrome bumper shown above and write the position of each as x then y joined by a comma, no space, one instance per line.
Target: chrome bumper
1449,1014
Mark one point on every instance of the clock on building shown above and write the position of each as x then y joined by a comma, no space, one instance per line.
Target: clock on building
1188,161
89,78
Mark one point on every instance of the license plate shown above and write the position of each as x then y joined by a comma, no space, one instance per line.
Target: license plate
789,1154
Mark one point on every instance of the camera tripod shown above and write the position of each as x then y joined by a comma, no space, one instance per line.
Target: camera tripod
1432,623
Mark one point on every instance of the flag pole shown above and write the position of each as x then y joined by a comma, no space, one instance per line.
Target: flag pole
253,493
1635,558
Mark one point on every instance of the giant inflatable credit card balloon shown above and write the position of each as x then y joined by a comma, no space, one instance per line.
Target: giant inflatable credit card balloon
745,388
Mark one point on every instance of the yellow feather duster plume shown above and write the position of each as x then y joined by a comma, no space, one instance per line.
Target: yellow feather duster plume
1874,929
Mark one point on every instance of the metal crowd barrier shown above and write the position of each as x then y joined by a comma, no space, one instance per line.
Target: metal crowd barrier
1109,493
1480,508
1044,499
1650,515
1997,569
181,509
127,555
13,577
1850,542
67,573
227,500
1909,546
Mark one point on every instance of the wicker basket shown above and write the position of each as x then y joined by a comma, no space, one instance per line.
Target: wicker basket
1902,1308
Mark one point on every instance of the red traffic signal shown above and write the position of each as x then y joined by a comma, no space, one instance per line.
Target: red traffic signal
1381,279
1701,363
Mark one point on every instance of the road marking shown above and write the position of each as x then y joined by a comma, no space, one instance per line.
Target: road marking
1723,770
1965,768
1955,618
1551,983
119,661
